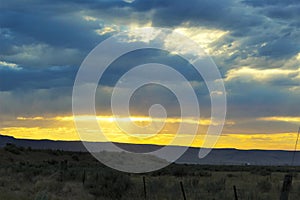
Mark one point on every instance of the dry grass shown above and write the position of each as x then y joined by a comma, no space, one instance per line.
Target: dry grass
55,175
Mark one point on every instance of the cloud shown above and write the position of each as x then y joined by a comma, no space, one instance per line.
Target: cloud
289,119
10,65
280,47
43,55
82,24
56,27
273,76
36,102
133,119
31,79
288,12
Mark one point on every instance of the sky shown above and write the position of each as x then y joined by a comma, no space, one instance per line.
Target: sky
254,43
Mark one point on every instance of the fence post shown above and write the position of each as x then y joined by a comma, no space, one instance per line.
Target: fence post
182,190
286,187
145,191
235,193
83,177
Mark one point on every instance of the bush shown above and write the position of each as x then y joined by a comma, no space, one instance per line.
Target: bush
264,186
215,186
41,196
108,184
262,172
12,148
75,158
180,172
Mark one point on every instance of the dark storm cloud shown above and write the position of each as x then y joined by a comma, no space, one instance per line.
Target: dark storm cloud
139,57
273,23
225,14
263,3
28,79
44,33
60,23
260,100
53,101
58,76
62,31
283,42
280,47
288,12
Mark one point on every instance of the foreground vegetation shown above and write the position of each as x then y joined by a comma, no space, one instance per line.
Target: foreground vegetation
27,174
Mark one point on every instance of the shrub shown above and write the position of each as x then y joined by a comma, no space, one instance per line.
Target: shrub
108,184
264,186
215,186
180,172
42,195
75,158
12,148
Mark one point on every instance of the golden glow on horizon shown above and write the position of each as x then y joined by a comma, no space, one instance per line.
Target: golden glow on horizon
38,133
281,118
275,141
202,121
63,128
30,118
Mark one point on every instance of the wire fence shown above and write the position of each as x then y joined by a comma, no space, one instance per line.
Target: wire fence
156,191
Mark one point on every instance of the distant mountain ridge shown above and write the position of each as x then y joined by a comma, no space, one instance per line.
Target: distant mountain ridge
215,157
